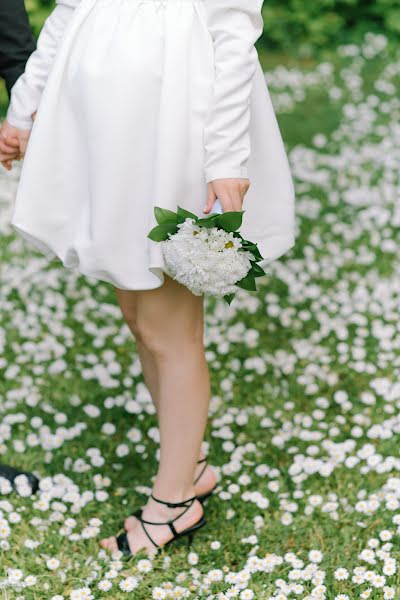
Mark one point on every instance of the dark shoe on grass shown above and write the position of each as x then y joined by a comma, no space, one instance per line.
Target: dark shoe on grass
11,474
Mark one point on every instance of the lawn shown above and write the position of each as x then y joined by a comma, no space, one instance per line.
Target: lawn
304,418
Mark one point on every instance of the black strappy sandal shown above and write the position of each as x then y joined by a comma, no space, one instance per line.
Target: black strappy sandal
122,540
203,497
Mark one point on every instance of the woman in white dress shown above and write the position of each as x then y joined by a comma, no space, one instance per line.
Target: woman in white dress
140,103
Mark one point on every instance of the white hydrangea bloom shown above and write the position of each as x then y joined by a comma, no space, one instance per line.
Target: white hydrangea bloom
206,260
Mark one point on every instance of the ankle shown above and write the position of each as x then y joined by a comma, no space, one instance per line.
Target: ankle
172,496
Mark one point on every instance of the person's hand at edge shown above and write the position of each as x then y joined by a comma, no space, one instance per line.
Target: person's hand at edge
13,143
9,147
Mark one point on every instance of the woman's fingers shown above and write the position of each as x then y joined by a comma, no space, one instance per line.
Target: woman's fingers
8,139
7,164
8,153
226,203
13,142
231,192
211,198
8,150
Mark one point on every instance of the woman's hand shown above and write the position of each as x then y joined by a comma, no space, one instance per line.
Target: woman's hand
9,147
230,192
13,143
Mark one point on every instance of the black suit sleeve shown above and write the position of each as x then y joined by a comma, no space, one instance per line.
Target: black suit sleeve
16,40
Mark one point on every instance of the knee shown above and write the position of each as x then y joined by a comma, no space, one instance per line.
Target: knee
151,339
165,341
144,332
131,317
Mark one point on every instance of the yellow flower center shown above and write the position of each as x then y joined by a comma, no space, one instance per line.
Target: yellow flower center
229,244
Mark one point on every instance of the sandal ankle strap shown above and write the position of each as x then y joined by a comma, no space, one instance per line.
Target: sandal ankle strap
199,476
183,504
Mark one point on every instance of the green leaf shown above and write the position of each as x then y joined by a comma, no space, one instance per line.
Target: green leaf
231,220
256,254
257,270
245,242
160,232
185,214
249,246
229,298
253,248
208,221
164,215
248,282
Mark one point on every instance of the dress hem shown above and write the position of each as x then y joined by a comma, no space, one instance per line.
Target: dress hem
51,254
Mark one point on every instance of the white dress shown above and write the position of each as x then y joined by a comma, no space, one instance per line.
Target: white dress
141,103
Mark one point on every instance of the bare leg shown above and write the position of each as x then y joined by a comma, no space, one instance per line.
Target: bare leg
168,322
128,303
150,374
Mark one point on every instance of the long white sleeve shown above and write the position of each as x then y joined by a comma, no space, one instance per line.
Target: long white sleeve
235,26
27,91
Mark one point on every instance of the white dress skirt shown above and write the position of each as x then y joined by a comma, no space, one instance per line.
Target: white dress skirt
139,104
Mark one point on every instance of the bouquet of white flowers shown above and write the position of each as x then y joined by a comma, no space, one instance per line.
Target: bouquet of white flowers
207,255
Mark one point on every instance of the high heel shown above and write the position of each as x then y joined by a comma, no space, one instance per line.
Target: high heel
122,540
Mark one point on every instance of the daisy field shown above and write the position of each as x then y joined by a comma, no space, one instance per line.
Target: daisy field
304,417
